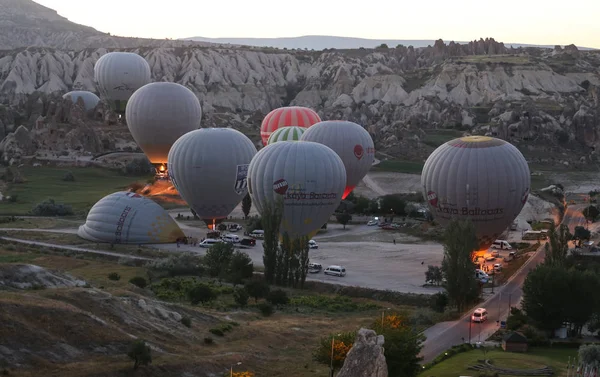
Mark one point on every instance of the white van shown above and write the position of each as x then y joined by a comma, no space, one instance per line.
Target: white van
257,233
312,244
209,242
479,315
335,271
231,238
502,245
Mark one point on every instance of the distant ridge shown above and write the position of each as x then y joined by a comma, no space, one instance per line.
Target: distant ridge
321,42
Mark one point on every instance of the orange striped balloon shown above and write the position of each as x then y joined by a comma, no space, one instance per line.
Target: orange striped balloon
287,116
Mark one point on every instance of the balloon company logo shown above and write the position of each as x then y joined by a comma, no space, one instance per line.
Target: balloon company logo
280,186
466,211
525,195
432,198
359,151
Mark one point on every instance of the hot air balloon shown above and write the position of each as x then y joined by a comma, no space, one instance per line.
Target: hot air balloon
90,100
478,178
209,167
309,179
160,113
119,75
292,133
285,117
129,218
351,142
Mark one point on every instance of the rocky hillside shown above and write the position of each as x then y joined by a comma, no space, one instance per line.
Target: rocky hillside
410,99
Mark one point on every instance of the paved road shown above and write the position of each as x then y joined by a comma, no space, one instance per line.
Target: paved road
447,334
574,217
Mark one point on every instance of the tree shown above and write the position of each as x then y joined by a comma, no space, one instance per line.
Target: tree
581,299
342,343
591,213
438,302
373,206
394,204
557,246
361,205
382,46
240,296
218,259
271,221
140,353
544,292
201,293
434,275
278,297
343,218
589,354
457,265
240,267
246,205
257,288
581,234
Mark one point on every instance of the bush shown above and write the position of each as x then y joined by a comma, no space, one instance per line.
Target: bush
51,208
176,265
266,308
69,177
114,276
140,353
439,301
222,329
13,198
139,166
257,288
208,340
278,297
186,321
241,296
217,332
139,281
201,293
332,303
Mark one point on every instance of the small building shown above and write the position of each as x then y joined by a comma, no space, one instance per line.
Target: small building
514,342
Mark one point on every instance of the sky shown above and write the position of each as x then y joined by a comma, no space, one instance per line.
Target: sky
546,22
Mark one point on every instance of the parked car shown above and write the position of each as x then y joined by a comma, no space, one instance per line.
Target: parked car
231,238
234,227
314,268
501,244
494,253
250,242
312,244
479,315
490,258
209,242
497,267
372,223
258,233
335,271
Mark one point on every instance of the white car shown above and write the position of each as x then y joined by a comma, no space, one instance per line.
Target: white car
312,244
335,271
209,242
479,315
372,223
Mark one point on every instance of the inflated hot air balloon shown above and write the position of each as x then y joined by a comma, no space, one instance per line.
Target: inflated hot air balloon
129,218
209,168
478,178
309,179
119,75
292,133
286,117
160,113
351,142
90,100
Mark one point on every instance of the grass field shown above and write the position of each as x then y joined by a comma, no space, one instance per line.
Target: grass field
90,185
399,166
435,138
536,358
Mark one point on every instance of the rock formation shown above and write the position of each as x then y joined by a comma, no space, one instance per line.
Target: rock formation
365,358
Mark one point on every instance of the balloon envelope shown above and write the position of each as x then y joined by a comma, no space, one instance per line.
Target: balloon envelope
307,177
351,142
478,178
291,133
119,75
160,113
127,217
209,168
287,116
90,100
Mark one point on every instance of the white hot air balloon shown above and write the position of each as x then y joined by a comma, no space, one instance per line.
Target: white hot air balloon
119,75
209,167
351,142
160,113
90,100
129,218
308,178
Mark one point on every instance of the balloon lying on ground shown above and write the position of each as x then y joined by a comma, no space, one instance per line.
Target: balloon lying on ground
478,178
160,113
291,133
119,75
307,178
351,142
209,167
285,117
90,100
129,218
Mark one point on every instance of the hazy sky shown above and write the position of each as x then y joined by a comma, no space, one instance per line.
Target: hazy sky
517,21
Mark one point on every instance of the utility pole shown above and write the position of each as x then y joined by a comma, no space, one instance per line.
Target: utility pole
499,299
470,322
509,299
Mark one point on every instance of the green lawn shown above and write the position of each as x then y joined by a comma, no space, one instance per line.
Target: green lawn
399,166
90,185
556,358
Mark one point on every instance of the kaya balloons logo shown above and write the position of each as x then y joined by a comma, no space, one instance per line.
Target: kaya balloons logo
359,151
432,198
280,186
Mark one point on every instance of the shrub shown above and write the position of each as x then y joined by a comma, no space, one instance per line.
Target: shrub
201,293
257,288
208,340
221,329
138,281
114,276
51,208
241,296
139,166
438,302
332,303
278,297
217,332
186,321
176,265
140,352
266,309
69,177
341,345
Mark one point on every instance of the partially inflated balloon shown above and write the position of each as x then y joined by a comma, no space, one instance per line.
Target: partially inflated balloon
209,168
160,113
285,117
119,75
291,133
351,142
90,100
477,178
308,178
